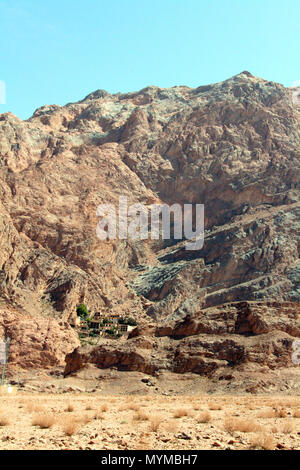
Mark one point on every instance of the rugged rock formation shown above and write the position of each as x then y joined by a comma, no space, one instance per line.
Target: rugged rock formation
35,341
216,342
233,146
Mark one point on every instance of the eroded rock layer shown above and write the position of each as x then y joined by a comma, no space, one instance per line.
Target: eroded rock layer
221,343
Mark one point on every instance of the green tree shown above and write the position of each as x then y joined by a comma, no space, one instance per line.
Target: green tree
82,311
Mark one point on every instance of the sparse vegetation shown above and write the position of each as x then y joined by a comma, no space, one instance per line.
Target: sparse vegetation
4,421
140,416
241,425
70,427
85,419
69,408
296,414
262,441
181,412
127,321
288,427
215,407
149,422
280,413
267,414
132,407
204,417
44,421
32,407
155,423
98,415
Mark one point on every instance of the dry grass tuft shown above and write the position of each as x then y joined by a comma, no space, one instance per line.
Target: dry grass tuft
181,412
140,416
296,414
215,406
32,407
274,429
104,408
123,408
204,417
280,413
133,407
4,421
288,427
98,415
155,423
197,407
267,414
70,408
85,419
262,441
44,421
70,427
241,425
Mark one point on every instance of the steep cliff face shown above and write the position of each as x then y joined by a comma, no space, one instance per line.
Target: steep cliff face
233,146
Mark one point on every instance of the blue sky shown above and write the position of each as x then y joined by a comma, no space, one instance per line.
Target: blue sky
59,51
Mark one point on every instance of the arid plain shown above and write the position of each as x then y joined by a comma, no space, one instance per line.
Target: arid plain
85,422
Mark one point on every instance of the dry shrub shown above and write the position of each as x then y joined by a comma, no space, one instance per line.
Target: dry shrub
296,414
274,429
204,417
241,425
215,406
98,415
44,421
288,427
262,441
4,420
123,408
140,416
197,407
32,407
85,419
267,414
280,413
181,412
70,408
155,422
133,407
70,427
104,408
89,408
144,405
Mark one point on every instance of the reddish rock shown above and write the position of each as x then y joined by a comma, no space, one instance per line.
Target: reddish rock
233,146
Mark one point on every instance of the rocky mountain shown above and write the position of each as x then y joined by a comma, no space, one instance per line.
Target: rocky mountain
233,146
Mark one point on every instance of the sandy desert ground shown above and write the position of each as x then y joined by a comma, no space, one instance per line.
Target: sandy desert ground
93,421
